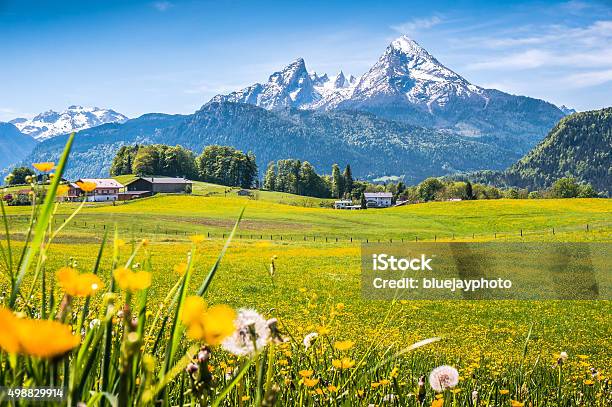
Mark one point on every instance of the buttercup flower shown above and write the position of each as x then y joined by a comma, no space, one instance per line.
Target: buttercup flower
344,363
40,338
196,239
78,285
344,345
62,190
180,269
251,335
132,281
310,382
305,373
87,186
211,325
44,167
443,377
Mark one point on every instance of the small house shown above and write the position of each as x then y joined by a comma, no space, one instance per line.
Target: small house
156,185
244,192
378,199
107,190
342,204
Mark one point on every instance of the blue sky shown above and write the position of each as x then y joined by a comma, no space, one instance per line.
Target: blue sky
173,56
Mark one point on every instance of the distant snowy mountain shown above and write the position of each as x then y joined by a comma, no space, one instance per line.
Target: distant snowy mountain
407,84
567,110
75,118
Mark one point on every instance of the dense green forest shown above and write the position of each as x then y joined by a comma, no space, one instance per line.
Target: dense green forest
218,164
578,147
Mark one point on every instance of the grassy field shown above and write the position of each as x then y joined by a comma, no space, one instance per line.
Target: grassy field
316,286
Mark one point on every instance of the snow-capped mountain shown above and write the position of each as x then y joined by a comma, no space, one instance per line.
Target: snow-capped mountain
75,118
407,71
567,110
293,87
408,84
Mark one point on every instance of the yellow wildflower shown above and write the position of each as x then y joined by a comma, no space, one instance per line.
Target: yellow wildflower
305,373
129,280
87,186
310,382
589,382
515,403
332,388
180,269
78,285
44,167
211,325
504,391
437,403
344,345
35,337
345,363
196,239
323,330
62,190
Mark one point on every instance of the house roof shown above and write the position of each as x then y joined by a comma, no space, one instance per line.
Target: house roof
378,195
102,182
162,180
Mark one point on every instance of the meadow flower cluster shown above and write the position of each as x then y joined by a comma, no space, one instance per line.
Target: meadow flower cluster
99,335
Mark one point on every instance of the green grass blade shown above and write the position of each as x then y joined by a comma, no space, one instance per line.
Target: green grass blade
42,222
213,270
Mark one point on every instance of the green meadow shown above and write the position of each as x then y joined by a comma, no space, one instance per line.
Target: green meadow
314,253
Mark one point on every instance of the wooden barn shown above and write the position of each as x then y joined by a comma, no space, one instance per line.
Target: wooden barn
156,185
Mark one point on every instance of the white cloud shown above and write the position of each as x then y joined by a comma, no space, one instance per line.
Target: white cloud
417,24
585,79
162,5
537,58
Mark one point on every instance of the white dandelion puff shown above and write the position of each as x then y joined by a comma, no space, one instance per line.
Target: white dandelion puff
443,377
310,339
252,334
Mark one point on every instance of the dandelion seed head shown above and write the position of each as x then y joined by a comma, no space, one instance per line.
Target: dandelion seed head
251,335
443,377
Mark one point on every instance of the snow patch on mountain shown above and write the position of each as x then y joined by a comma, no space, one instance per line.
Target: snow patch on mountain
51,123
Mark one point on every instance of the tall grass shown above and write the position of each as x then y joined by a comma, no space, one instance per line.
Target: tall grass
115,346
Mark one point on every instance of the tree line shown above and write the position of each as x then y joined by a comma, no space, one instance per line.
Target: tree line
216,164
300,178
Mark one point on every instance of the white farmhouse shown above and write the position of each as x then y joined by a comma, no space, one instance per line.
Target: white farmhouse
107,190
378,199
342,204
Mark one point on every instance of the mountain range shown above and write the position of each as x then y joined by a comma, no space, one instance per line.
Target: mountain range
51,123
410,85
408,116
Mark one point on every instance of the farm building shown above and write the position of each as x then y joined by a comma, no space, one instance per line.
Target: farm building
378,199
342,204
164,185
244,192
107,189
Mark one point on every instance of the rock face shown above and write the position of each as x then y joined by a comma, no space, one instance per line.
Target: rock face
50,123
408,84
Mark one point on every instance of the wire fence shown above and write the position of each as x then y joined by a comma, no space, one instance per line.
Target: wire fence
80,227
